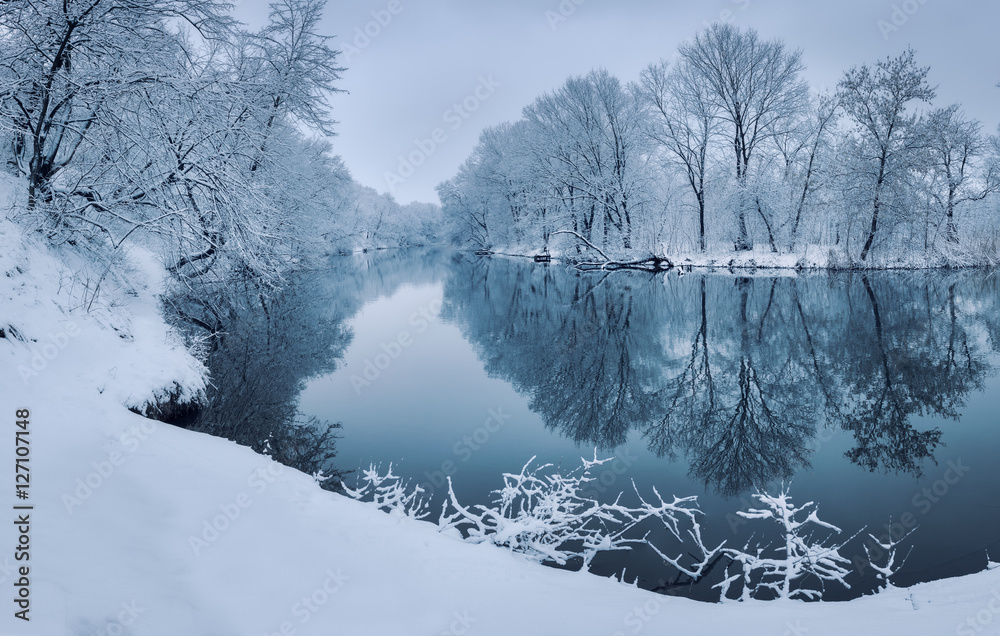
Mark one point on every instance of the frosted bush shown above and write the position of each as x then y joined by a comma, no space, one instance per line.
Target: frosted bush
390,493
546,516
781,568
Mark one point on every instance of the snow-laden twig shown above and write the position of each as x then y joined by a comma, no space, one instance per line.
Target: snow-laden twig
320,477
389,493
670,515
748,563
888,547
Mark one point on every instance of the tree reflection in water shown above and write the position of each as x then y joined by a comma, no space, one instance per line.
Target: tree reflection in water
737,373
263,349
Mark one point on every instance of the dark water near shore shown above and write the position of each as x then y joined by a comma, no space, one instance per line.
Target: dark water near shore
876,395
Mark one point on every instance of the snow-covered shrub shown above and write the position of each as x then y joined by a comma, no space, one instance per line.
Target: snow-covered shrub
389,493
798,555
547,516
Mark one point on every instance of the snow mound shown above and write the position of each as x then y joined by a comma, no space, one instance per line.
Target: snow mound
116,340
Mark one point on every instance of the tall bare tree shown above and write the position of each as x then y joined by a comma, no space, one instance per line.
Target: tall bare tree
683,120
801,149
756,86
956,146
878,100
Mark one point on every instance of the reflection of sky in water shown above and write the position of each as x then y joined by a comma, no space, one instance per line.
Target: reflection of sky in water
422,411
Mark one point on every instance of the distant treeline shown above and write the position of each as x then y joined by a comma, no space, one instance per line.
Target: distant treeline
725,148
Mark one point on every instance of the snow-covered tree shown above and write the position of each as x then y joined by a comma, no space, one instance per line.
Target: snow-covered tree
756,87
494,197
889,139
68,65
166,119
959,166
595,154
683,121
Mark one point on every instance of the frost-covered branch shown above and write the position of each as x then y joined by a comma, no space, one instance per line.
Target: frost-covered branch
389,493
797,556
888,548
546,516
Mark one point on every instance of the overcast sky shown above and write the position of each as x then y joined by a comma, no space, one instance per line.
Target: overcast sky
404,82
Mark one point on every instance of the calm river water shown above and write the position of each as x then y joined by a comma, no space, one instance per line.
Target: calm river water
875,394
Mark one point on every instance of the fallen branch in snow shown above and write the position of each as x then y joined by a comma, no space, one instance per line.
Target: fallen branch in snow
584,241
652,263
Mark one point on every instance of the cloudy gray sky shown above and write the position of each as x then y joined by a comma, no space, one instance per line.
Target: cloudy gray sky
406,76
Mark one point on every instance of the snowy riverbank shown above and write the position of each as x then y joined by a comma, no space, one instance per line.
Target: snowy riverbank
808,258
141,528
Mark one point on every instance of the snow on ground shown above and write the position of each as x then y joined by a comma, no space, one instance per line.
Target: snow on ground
811,257
141,528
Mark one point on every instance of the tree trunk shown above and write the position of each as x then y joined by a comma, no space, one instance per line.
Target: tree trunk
701,221
875,208
767,224
951,231
802,200
743,237
627,242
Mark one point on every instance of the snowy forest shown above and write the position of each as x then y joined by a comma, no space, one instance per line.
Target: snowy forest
726,149
167,124
170,125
